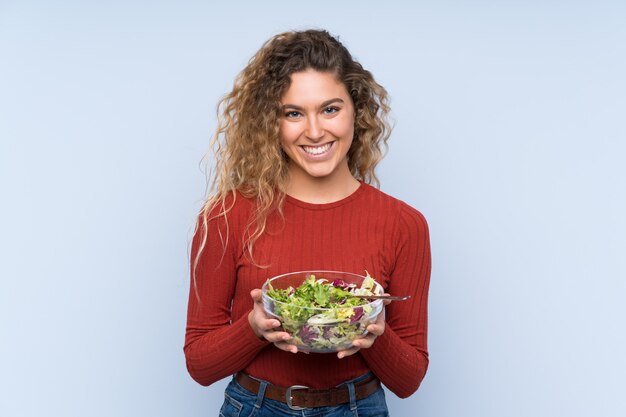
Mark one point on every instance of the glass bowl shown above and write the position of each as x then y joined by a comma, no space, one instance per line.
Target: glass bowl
317,329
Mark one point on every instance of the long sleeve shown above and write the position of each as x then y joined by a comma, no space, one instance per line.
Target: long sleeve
366,231
215,345
400,357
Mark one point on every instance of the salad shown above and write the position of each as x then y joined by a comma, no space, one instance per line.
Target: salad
323,316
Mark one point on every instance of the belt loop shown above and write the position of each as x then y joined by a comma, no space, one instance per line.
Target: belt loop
261,394
352,396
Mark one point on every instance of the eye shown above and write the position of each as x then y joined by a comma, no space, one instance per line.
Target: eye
331,110
292,114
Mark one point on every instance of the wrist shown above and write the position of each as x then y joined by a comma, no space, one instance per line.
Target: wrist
252,326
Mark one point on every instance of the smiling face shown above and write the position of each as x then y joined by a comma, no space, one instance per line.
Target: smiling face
317,127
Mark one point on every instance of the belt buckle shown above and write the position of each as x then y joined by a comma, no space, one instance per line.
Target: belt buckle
288,396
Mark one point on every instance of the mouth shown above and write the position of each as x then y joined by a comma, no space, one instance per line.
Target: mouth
317,150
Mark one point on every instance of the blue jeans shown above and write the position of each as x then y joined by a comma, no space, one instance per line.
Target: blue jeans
239,402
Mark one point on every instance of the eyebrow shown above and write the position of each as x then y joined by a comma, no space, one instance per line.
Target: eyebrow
324,104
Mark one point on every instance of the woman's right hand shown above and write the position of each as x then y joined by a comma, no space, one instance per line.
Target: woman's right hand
266,327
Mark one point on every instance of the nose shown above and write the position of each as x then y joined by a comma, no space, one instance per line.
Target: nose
314,128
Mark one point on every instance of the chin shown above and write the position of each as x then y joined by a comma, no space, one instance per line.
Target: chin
320,174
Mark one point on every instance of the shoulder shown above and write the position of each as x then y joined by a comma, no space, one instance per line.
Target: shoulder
394,206
232,205
405,219
222,222
232,210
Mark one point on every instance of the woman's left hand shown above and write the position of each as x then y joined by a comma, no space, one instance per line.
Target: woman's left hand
373,331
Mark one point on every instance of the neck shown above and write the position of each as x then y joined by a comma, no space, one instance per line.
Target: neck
321,190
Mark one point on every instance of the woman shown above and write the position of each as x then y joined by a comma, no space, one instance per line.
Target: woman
298,140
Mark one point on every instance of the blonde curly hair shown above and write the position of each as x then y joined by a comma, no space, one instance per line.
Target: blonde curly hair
246,144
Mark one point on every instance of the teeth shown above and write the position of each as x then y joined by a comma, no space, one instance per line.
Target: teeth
317,150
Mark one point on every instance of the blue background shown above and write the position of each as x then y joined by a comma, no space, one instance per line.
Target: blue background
510,137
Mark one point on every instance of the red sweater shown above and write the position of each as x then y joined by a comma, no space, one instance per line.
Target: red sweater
367,230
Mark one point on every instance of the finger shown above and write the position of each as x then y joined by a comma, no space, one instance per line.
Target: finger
348,352
380,319
267,325
286,347
376,329
364,342
277,337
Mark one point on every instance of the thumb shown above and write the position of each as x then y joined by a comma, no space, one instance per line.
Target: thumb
386,302
256,295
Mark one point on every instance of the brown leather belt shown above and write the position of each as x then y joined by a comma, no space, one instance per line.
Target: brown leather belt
299,397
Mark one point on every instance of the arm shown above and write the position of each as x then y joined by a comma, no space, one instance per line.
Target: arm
399,356
216,346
